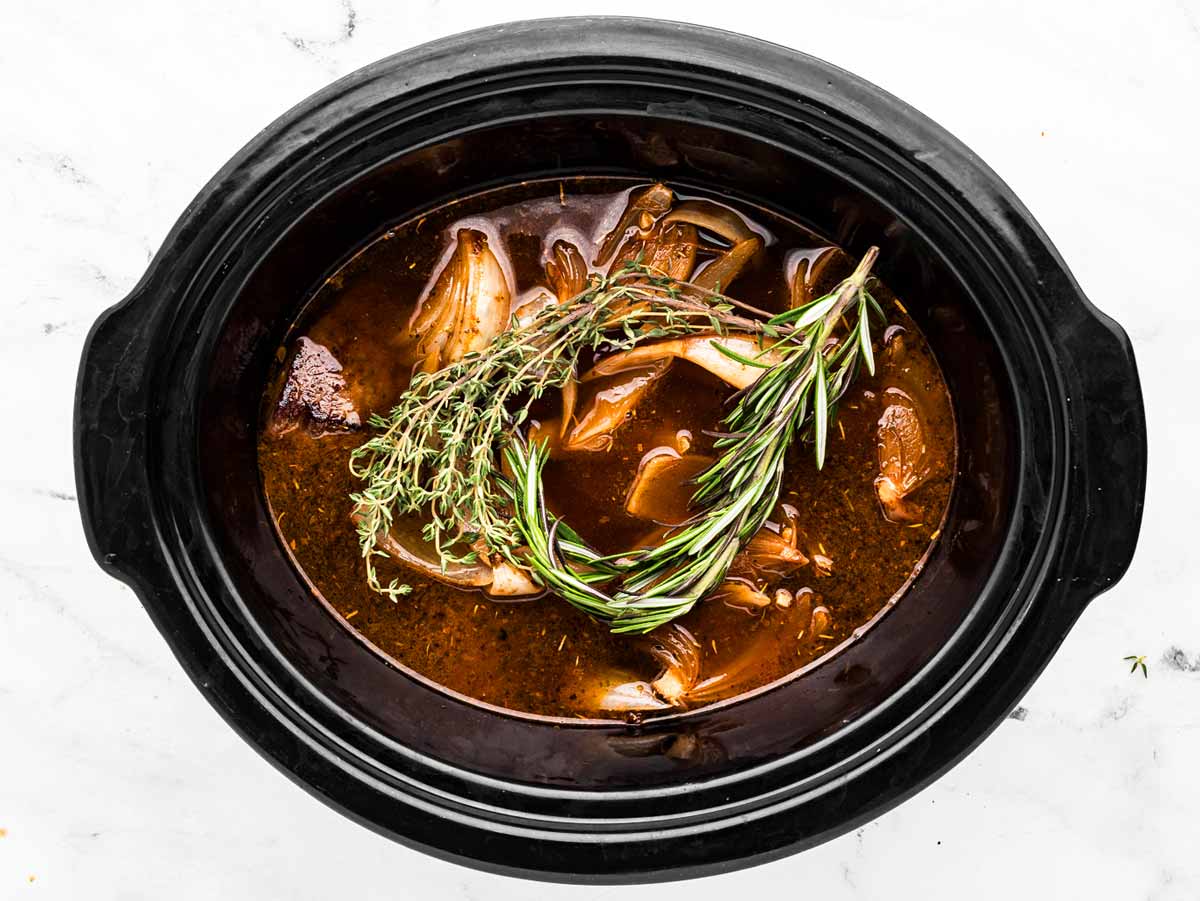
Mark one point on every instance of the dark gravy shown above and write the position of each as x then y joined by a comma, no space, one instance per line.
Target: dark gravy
543,656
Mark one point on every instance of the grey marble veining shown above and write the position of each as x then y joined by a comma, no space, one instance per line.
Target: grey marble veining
116,778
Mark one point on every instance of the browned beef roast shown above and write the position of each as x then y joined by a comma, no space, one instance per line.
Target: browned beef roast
314,394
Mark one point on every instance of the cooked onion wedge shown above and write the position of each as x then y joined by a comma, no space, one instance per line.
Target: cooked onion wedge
697,349
465,309
663,487
405,544
739,592
720,273
665,249
645,205
608,403
678,652
566,270
812,269
907,457
712,217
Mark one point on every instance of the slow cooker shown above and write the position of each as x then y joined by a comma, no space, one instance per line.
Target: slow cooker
1044,515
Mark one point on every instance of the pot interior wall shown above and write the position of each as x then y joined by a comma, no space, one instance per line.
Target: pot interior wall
372,188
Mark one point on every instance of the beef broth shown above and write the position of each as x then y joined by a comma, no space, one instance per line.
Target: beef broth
861,526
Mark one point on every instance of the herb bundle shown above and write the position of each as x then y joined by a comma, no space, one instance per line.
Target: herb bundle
437,452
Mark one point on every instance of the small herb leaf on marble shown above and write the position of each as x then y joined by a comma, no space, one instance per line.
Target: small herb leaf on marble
1138,660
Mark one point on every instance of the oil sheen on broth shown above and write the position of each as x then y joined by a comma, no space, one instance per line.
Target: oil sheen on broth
862,525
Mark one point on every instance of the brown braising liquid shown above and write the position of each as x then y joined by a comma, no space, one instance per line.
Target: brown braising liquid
543,656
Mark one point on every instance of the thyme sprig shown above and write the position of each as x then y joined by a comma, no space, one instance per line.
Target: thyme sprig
735,496
436,452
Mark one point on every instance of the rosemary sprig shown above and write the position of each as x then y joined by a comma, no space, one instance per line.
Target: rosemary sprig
436,452
735,496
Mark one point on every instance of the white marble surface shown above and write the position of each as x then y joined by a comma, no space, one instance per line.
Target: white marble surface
118,781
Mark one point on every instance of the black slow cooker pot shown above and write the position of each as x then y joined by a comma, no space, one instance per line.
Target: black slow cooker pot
1044,515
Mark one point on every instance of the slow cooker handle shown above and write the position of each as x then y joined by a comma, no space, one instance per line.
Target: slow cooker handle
110,442
1108,421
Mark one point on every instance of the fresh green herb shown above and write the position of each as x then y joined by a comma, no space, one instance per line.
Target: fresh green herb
437,450
1138,660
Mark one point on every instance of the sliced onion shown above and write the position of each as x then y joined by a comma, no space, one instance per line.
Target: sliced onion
678,652
712,217
509,581
663,487
652,200
566,270
721,272
468,305
608,404
404,543
698,350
